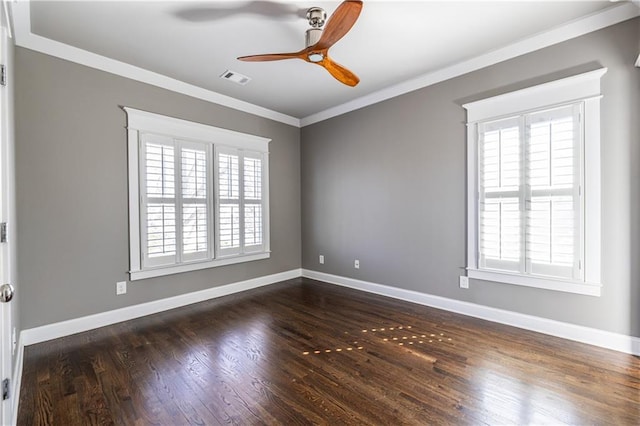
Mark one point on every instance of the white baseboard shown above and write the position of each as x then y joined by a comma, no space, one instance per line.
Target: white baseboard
65,328
16,381
592,336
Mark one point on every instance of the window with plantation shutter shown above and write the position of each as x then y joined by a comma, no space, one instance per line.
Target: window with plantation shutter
553,209
197,196
194,196
500,200
252,175
529,205
229,202
175,209
534,190
159,208
240,200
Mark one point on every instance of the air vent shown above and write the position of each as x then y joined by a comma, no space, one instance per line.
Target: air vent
235,77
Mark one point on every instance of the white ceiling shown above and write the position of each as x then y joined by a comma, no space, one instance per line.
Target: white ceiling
392,41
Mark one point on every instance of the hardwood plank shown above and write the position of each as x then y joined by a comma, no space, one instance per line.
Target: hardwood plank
305,352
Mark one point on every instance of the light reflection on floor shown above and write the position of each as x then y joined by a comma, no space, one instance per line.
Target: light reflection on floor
523,401
402,335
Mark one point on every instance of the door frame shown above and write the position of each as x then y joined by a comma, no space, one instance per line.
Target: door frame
8,266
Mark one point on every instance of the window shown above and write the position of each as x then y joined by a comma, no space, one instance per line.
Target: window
534,186
239,201
198,195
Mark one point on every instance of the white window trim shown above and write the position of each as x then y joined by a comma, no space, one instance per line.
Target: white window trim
579,88
139,122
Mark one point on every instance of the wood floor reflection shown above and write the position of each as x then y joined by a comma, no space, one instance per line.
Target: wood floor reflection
305,352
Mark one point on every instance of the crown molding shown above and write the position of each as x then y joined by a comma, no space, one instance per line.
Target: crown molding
573,29
637,3
21,17
25,38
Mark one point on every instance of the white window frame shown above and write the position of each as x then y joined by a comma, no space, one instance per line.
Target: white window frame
185,133
583,88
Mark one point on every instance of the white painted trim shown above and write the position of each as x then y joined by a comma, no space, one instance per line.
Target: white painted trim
266,195
587,288
144,121
579,27
592,191
563,91
195,266
135,261
17,381
25,38
591,336
77,325
7,21
638,62
472,197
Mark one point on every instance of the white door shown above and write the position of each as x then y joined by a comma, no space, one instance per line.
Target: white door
7,270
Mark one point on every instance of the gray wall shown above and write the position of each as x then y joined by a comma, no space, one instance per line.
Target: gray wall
387,185
71,166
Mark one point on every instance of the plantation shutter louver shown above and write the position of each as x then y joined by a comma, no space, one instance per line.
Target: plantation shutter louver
175,202
195,208
500,199
553,199
228,203
252,203
159,227
240,201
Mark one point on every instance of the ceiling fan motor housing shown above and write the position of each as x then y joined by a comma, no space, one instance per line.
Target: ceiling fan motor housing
313,36
317,17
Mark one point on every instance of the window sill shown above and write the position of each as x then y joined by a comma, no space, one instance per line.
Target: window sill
186,267
588,289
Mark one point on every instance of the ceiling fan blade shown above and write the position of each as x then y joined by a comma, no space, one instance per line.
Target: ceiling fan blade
339,23
273,56
339,72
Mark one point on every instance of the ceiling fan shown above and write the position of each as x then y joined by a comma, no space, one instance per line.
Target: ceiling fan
318,41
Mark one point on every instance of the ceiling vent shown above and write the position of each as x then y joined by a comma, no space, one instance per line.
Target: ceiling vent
235,77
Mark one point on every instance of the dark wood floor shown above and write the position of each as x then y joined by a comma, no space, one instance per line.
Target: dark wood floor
304,352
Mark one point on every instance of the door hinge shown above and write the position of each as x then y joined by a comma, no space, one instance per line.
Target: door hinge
3,75
3,232
5,389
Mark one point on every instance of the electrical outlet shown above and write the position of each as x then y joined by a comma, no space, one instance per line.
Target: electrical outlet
356,264
121,287
464,282
321,259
